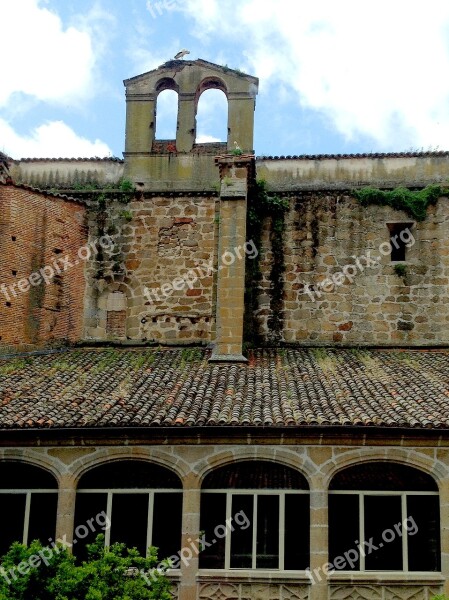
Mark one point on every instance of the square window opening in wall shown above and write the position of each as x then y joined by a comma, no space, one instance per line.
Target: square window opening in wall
401,240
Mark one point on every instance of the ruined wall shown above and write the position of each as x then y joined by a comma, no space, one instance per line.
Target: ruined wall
345,171
156,282
36,232
340,285
60,173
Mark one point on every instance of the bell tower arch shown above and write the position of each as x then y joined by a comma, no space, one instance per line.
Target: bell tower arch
165,163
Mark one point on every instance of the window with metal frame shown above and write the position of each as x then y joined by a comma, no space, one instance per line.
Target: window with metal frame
28,504
255,515
384,517
140,503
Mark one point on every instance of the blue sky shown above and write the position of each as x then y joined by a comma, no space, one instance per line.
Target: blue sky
335,77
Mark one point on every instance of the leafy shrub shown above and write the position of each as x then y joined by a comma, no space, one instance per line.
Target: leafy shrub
110,573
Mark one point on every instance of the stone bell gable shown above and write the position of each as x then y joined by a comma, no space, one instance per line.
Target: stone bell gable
169,164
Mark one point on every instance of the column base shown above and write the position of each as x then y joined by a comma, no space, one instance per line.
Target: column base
227,358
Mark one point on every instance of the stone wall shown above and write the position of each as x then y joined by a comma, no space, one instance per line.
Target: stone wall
158,276
330,238
46,173
37,232
162,237
343,171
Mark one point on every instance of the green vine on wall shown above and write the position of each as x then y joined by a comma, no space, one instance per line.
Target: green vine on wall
101,201
413,202
262,206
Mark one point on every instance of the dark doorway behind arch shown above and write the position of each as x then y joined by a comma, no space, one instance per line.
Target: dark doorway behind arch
135,502
28,504
266,509
384,516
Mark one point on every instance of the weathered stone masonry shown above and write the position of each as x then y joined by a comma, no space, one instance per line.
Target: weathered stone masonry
159,275
330,233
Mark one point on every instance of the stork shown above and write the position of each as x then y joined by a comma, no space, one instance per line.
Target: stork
181,54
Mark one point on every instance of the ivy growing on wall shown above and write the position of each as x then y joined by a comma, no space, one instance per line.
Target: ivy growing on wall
102,201
262,206
413,202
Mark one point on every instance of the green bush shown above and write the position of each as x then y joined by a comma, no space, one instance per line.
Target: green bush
413,202
400,270
110,573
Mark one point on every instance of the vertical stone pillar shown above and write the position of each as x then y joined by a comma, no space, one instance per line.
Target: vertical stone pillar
444,528
140,123
241,121
66,508
319,553
190,533
234,172
185,136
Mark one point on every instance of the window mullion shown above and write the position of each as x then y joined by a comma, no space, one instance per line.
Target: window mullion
228,531
404,534
362,530
281,531
26,522
150,521
107,537
254,557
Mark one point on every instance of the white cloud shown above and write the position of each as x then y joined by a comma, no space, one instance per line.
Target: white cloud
375,68
43,59
52,140
206,139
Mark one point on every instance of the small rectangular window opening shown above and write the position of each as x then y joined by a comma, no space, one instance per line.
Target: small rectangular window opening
401,239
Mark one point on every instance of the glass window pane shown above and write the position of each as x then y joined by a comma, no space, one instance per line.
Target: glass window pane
383,477
42,524
423,526
297,531
267,544
212,513
129,520
20,476
343,530
129,474
88,508
242,539
12,517
167,518
258,475
382,513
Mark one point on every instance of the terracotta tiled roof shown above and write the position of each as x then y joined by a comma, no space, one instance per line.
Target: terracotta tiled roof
178,387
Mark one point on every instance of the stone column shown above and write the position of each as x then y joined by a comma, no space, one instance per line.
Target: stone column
66,508
318,540
185,136
140,123
190,533
231,257
241,121
444,528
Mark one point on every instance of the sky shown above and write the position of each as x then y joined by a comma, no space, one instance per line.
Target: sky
345,76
